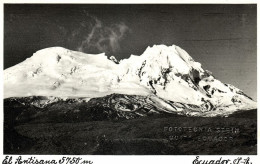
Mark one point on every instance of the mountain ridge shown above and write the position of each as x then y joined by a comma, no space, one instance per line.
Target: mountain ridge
164,73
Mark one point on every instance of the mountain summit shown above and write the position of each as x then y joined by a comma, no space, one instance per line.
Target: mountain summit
164,77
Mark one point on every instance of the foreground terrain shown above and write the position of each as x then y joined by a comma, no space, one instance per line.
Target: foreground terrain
53,130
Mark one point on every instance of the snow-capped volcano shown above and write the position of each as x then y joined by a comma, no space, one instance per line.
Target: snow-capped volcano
166,75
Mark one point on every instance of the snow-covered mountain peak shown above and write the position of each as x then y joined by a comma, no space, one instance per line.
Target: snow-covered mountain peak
171,57
54,56
166,72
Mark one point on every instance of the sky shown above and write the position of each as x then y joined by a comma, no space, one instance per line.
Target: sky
221,37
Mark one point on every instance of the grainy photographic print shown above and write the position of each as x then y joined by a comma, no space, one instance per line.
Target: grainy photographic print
130,79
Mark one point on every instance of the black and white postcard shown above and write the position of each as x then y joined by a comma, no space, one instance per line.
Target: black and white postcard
129,79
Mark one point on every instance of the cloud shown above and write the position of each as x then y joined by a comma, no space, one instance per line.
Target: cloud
100,38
